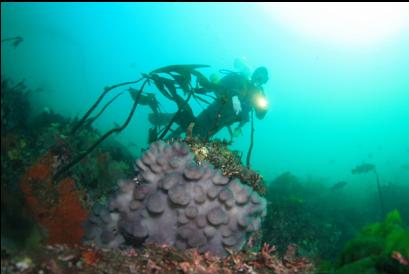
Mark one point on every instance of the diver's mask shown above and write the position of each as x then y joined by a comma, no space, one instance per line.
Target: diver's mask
260,76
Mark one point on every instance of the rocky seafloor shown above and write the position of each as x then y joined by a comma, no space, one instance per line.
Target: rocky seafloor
61,259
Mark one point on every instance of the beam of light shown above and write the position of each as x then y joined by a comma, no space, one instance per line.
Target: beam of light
261,101
346,24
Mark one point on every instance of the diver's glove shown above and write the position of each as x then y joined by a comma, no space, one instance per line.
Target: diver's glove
236,105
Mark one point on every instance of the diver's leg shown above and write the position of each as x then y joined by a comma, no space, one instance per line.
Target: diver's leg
230,132
207,120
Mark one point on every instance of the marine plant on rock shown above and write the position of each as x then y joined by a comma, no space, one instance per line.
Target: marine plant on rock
378,248
57,208
227,161
308,213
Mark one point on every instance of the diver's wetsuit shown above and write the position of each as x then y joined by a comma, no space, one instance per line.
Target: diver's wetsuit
236,97
221,112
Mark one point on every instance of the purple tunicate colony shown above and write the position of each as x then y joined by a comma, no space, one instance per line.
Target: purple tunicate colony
176,202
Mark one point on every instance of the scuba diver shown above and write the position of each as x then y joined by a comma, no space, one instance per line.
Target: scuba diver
236,97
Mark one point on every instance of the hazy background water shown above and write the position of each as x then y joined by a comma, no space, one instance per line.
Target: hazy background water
333,105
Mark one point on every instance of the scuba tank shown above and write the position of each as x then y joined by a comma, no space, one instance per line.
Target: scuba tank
242,66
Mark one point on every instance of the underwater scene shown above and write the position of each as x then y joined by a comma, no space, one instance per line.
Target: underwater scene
205,138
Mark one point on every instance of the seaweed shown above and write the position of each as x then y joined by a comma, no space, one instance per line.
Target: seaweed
182,79
376,248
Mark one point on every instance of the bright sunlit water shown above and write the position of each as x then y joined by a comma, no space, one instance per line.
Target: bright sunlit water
338,93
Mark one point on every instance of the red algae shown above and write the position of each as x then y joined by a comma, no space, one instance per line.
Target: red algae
56,207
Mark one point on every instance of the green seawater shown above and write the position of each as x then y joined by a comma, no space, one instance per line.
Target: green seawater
332,105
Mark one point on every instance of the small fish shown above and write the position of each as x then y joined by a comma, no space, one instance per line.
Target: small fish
363,168
405,166
370,155
331,162
338,185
